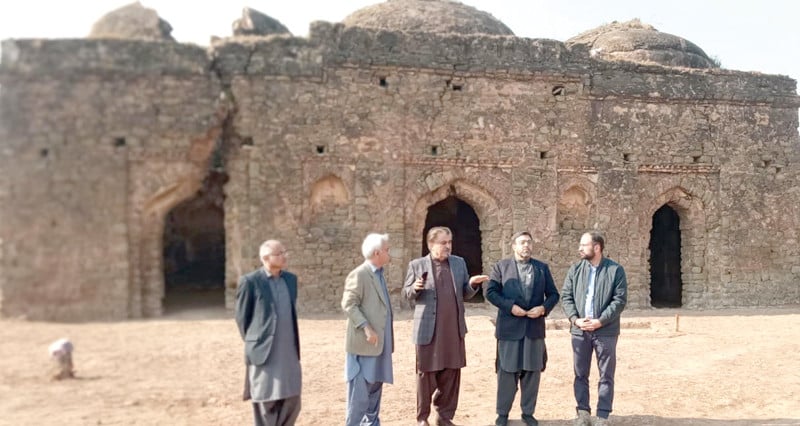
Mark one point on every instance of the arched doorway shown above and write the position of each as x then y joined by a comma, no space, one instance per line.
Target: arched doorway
461,218
665,259
194,250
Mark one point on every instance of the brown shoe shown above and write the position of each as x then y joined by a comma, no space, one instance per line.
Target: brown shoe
444,422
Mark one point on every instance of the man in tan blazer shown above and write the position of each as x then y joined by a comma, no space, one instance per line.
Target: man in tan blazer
370,340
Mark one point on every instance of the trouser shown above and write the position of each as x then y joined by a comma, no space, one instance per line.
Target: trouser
507,390
605,349
281,412
363,402
442,388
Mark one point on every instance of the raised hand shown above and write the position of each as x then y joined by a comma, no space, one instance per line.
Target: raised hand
477,280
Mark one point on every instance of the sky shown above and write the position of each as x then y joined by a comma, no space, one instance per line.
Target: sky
746,35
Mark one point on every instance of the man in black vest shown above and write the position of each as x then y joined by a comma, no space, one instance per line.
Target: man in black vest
522,288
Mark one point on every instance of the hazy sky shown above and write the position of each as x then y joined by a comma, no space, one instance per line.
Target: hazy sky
746,35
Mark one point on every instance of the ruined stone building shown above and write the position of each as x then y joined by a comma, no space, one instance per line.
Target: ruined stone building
132,165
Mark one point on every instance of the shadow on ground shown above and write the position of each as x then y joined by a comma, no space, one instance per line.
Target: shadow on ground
671,421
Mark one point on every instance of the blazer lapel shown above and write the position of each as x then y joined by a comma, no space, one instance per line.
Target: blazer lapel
428,265
515,273
533,281
376,284
264,284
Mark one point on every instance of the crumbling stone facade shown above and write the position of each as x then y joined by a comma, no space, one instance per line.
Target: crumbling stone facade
358,129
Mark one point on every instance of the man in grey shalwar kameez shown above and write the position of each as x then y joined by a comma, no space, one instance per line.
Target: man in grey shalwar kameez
523,290
267,321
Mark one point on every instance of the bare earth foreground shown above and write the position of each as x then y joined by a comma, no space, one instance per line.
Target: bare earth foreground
735,367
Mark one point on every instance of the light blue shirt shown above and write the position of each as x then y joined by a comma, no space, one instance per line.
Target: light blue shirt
374,368
588,309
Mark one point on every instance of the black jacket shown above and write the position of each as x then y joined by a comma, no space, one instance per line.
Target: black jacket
505,290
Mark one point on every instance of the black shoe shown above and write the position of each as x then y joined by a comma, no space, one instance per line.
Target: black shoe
501,421
530,420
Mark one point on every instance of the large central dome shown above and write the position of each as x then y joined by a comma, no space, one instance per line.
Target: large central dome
638,42
433,16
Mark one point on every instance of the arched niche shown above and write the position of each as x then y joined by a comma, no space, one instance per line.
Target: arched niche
574,206
327,195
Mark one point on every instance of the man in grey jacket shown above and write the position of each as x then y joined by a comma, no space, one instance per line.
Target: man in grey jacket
594,294
370,337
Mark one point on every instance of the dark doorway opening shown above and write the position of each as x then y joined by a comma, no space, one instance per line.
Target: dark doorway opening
460,217
665,259
194,250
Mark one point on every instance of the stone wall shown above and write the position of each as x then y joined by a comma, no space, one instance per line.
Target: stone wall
354,131
99,138
629,138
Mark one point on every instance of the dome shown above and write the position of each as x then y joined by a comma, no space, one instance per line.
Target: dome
433,16
133,21
634,41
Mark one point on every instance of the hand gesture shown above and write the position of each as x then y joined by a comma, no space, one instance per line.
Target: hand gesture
372,336
536,312
419,284
517,311
477,280
588,324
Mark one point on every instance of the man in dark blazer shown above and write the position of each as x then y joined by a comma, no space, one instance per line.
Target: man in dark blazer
523,290
438,284
267,321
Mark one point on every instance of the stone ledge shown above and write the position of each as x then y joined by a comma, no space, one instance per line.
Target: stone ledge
678,168
123,57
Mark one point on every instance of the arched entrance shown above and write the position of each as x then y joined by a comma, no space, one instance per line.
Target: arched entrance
194,250
461,218
665,259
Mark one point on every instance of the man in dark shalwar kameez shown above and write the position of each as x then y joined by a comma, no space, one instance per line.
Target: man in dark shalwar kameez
522,288
267,321
438,284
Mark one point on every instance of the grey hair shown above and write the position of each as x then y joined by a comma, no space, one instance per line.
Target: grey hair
266,248
373,243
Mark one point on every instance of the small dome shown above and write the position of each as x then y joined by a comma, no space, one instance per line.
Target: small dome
133,21
635,41
433,16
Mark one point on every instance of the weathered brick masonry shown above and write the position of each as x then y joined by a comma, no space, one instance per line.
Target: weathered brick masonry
358,129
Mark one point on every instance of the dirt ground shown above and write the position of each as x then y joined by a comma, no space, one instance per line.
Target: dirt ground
734,367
